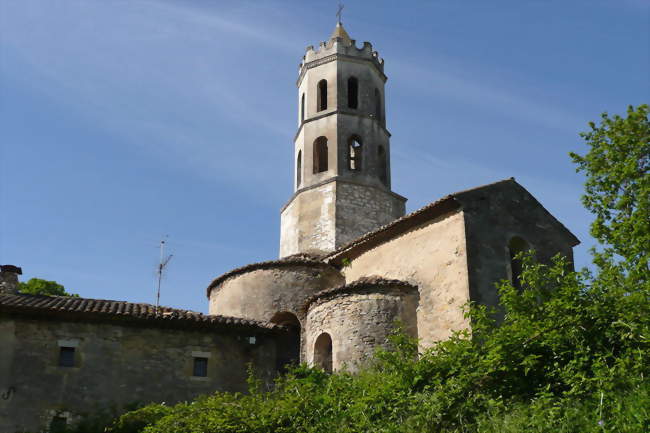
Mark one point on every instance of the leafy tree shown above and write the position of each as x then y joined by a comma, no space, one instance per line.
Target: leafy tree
37,286
617,190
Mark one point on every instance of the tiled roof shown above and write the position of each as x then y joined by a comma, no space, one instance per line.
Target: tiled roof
370,283
296,259
102,309
11,268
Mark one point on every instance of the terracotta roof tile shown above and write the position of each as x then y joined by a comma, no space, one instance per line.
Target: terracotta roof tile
120,310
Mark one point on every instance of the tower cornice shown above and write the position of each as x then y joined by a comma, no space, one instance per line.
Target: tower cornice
305,66
335,112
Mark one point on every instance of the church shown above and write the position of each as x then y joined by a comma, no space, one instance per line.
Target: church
351,265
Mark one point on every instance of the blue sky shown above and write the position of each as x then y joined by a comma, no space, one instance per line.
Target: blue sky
123,121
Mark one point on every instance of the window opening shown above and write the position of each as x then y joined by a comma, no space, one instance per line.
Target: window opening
299,168
353,92
322,95
355,153
59,424
302,108
66,356
320,155
516,246
381,164
323,352
200,367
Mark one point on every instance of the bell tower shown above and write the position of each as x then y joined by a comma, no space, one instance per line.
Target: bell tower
341,150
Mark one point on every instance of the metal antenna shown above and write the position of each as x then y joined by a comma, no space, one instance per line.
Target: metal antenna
161,266
338,13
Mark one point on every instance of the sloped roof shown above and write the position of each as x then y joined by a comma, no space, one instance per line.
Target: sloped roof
371,283
293,260
74,308
445,205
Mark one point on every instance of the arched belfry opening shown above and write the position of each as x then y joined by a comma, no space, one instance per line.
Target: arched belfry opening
355,153
302,108
323,352
289,343
299,169
515,246
320,155
321,101
353,92
382,165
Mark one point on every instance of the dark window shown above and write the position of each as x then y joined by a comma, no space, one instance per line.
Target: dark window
322,95
353,92
288,344
299,168
320,155
302,108
378,113
355,153
200,367
515,246
323,352
66,357
382,165
59,424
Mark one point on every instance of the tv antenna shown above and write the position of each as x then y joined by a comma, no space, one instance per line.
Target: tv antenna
161,267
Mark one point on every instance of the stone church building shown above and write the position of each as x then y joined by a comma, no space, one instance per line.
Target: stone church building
351,265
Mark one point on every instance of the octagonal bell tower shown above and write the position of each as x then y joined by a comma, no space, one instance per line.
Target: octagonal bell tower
341,150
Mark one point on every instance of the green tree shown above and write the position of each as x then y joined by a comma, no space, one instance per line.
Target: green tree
617,191
37,286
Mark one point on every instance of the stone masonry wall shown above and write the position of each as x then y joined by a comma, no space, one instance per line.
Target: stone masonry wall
358,324
115,365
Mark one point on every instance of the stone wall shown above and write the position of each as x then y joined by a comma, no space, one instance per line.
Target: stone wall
433,257
359,322
115,365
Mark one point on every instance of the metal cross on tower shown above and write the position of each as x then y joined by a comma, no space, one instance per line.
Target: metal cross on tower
338,13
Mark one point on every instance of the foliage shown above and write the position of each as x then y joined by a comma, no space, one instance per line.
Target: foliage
37,286
617,190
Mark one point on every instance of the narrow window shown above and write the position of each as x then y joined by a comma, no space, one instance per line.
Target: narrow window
200,367
322,95
66,356
302,108
353,92
59,424
378,106
323,352
381,165
516,246
355,153
299,168
320,155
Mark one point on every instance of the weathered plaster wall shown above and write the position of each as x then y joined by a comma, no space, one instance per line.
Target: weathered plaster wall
432,257
359,323
116,365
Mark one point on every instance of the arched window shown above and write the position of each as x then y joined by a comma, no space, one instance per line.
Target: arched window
378,112
353,92
322,96
323,352
382,166
299,168
302,108
288,343
355,153
516,246
320,155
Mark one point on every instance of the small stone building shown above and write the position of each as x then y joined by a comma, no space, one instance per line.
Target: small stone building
351,266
